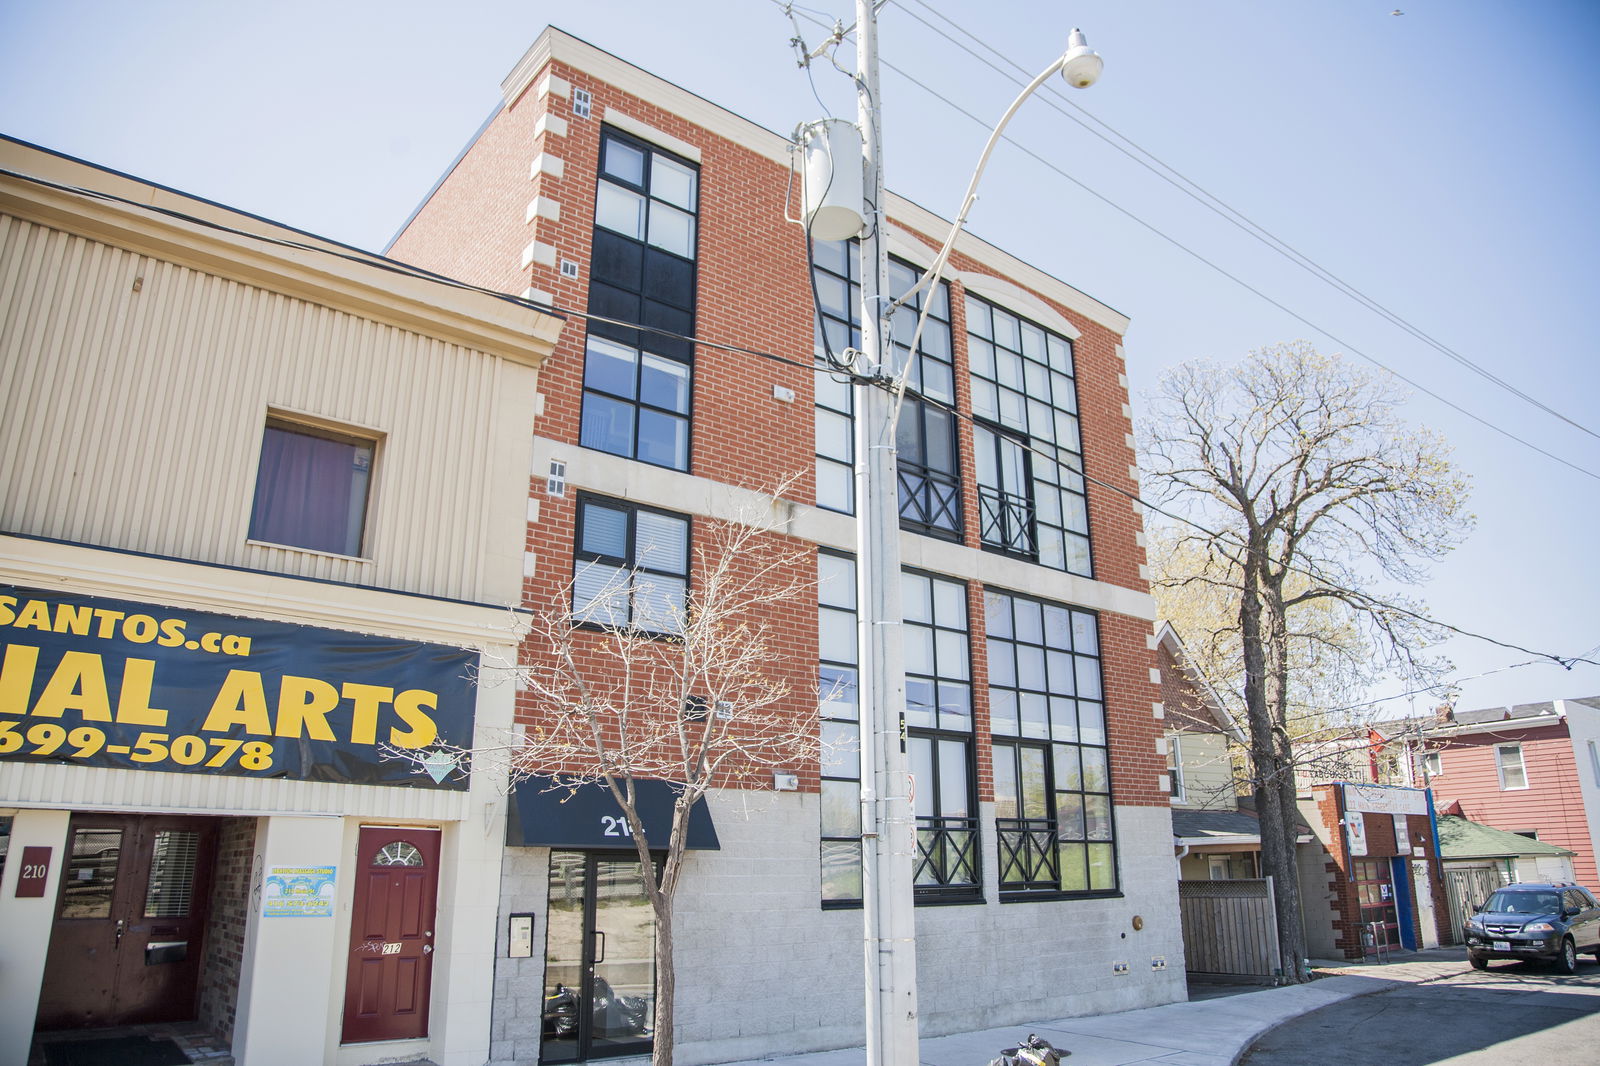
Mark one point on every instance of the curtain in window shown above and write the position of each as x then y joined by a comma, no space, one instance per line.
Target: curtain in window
304,490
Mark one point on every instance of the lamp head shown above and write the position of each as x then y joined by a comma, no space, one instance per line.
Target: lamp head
1080,66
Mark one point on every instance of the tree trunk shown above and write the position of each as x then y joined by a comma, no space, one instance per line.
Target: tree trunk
666,987
1273,763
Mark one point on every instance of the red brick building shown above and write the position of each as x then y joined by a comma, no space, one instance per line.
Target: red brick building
1375,883
664,222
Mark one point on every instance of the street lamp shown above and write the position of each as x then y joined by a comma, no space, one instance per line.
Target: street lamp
888,821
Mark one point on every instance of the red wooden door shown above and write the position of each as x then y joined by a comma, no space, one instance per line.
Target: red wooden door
126,946
391,934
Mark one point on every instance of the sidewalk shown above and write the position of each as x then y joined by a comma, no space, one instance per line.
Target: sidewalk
1210,1032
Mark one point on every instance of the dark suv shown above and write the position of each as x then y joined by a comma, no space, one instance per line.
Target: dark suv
1553,921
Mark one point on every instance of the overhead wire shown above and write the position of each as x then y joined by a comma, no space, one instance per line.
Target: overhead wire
1060,101
1236,279
403,269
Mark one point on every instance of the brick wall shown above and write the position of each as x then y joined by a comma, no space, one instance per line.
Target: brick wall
754,292
1345,905
225,927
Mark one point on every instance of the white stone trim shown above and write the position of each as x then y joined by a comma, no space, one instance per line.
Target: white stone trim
554,86
644,131
1158,710
1155,676
538,252
544,207
545,163
554,125
676,491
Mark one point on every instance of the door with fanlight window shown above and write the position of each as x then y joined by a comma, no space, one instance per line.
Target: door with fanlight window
127,944
390,974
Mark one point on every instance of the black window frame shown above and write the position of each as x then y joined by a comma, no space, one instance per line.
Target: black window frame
628,562
946,845
930,497
838,606
652,293
1057,483
1064,753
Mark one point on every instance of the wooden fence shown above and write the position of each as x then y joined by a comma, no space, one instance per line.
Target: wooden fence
1467,887
1229,927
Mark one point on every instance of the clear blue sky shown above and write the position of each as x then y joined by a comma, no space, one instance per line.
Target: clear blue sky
1443,161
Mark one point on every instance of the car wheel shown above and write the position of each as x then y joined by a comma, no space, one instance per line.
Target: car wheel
1567,961
1478,962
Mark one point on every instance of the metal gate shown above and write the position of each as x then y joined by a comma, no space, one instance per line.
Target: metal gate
1229,927
1468,886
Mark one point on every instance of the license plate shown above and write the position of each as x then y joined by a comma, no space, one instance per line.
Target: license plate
1502,945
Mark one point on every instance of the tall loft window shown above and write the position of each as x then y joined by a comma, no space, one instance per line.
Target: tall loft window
1052,777
637,381
841,738
925,434
929,464
837,275
939,741
1028,444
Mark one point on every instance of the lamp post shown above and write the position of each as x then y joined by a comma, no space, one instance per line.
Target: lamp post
888,821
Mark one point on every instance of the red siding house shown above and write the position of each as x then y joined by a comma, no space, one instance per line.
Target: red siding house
1521,769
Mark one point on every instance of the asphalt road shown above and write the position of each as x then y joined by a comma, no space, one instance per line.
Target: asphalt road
1511,1013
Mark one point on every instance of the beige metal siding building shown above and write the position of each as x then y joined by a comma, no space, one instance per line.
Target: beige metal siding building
262,511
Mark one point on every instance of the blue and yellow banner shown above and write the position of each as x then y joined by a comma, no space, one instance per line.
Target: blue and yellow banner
100,682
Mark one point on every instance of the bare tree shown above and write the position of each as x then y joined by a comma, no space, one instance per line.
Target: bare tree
627,677
1302,495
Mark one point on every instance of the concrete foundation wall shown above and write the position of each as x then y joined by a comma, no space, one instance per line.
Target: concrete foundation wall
764,970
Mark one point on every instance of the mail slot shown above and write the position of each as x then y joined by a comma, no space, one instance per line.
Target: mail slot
159,951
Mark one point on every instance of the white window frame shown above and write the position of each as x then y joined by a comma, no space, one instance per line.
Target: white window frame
1500,767
1433,763
1178,788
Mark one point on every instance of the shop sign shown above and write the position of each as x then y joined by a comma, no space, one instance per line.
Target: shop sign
98,682
298,892
1356,832
1379,799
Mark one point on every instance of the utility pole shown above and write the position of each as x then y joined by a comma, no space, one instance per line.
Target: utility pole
888,839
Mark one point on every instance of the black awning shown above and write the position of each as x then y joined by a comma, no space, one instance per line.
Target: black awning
548,814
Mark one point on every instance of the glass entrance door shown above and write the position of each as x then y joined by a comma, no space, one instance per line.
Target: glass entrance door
600,963
1380,926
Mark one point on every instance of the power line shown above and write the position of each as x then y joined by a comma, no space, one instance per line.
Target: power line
1171,175
1352,349
403,269
1218,268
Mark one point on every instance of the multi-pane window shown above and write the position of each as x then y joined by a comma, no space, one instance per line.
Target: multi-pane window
631,567
1508,761
311,488
636,381
1175,766
1029,449
925,433
841,741
837,277
939,744
1052,775
929,463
